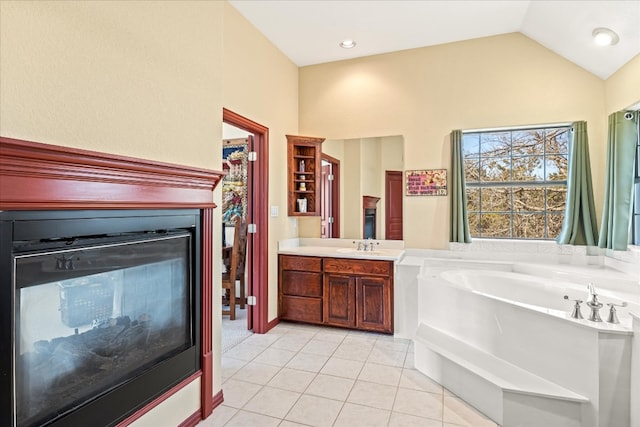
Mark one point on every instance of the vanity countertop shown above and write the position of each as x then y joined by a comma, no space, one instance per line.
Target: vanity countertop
389,250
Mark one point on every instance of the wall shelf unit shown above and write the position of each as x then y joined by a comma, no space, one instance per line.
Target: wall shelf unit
303,175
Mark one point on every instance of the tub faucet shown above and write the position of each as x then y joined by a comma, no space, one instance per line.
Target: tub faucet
575,314
591,291
594,304
613,316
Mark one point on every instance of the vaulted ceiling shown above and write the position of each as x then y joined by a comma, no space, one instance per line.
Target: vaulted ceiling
309,31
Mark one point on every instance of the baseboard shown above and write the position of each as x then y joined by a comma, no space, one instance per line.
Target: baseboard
218,398
272,324
193,420
196,417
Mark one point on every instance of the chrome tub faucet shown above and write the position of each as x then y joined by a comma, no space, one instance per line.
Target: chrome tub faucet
594,304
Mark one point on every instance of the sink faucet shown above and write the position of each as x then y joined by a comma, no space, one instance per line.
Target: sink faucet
366,245
369,244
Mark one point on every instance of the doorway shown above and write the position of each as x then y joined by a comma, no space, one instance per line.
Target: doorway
330,198
257,217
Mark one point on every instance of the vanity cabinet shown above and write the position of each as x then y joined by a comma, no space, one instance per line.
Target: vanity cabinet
304,168
352,293
368,288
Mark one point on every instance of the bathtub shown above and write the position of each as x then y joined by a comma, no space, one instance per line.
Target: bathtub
544,294
500,335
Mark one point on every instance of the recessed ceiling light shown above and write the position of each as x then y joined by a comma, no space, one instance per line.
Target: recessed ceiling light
605,37
348,44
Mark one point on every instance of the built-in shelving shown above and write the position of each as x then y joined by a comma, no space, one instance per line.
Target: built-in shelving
303,175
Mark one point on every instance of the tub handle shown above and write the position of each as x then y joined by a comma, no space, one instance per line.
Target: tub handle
575,314
613,316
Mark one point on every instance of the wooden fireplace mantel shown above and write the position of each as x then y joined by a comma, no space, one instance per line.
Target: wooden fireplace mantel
36,176
43,176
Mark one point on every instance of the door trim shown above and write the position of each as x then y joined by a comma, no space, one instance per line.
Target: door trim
257,245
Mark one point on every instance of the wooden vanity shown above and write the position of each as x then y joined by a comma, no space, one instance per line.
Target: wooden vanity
345,292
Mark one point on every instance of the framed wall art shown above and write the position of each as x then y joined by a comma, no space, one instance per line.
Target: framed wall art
426,182
234,184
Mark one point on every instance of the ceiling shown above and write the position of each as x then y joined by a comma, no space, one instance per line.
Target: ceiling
309,31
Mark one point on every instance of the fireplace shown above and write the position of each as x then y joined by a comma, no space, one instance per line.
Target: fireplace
105,311
105,285
369,216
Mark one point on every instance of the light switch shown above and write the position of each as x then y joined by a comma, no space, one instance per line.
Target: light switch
274,211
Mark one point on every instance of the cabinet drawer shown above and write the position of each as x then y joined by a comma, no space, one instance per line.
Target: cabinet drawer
300,263
301,309
357,266
301,283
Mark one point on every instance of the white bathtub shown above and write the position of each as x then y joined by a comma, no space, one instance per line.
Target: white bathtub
515,314
544,294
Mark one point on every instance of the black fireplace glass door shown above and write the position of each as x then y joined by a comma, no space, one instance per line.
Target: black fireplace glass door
92,318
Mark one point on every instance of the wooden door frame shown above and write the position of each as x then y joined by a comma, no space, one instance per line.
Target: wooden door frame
335,194
258,269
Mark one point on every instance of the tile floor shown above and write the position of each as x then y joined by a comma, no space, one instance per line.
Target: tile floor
298,375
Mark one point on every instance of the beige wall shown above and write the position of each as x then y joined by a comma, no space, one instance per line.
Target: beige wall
623,88
148,79
100,76
141,79
260,83
423,94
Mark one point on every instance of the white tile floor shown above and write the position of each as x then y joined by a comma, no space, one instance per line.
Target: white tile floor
299,375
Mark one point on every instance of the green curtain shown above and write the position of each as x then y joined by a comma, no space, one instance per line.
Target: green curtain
580,224
618,194
459,231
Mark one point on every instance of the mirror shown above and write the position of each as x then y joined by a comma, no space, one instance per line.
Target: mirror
362,179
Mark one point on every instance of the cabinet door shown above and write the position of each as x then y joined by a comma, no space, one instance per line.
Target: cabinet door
373,304
339,300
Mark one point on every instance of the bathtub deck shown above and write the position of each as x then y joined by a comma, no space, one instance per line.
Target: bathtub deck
503,374
509,395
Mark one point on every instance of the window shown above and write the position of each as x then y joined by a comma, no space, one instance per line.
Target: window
516,182
635,224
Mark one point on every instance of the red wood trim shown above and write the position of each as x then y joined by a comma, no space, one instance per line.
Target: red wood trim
206,393
193,420
272,324
218,398
335,194
196,417
242,122
258,246
140,412
370,202
261,239
43,176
